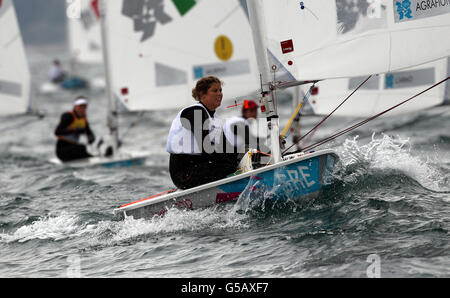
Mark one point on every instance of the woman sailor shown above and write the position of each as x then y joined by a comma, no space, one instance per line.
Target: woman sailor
197,146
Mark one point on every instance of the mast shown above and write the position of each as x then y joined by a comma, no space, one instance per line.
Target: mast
257,23
112,114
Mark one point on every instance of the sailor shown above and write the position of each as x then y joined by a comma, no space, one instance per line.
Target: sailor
57,74
73,124
198,149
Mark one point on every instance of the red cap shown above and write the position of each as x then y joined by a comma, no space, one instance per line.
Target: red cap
249,104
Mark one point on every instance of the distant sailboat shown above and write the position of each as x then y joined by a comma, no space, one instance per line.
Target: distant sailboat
85,47
15,78
84,36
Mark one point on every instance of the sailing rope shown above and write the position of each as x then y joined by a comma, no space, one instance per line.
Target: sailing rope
348,129
328,116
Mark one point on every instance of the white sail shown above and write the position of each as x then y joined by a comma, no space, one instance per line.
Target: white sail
321,39
83,28
447,85
159,49
15,80
381,92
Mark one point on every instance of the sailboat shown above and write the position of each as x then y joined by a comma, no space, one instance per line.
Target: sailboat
84,34
85,41
85,46
307,40
15,79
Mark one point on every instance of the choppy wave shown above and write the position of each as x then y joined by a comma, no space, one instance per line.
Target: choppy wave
393,153
108,232
175,220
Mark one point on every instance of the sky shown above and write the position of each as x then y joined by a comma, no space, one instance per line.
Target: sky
42,22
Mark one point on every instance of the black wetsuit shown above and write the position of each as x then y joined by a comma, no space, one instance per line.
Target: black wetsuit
188,170
67,146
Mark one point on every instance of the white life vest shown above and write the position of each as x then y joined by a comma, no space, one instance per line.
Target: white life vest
238,140
182,140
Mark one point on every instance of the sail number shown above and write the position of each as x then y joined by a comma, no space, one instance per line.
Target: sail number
296,179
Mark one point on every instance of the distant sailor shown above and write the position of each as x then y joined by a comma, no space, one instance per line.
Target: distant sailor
57,74
73,124
237,129
197,146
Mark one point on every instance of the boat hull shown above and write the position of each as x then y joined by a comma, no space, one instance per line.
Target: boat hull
94,84
108,162
74,83
296,177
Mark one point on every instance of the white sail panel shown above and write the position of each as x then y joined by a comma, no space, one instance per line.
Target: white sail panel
447,85
15,80
159,49
382,92
84,32
321,39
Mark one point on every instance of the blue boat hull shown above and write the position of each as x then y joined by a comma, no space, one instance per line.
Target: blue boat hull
74,83
297,177
107,162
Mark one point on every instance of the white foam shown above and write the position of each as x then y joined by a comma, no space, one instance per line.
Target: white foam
46,228
173,221
395,153
66,226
